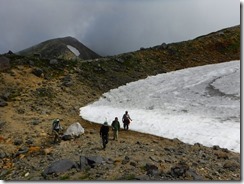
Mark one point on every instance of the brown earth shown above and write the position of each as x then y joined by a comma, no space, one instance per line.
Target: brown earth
130,155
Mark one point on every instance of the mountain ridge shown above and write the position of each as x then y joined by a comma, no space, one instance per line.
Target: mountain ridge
57,48
111,72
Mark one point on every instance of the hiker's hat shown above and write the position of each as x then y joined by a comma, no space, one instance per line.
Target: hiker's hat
105,123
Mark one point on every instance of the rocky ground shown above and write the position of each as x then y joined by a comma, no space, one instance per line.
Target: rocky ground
30,102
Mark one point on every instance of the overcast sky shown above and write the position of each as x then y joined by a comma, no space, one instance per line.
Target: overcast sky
111,27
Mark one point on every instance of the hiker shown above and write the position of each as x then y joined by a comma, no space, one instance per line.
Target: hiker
104,134
116,128
56,127
126,120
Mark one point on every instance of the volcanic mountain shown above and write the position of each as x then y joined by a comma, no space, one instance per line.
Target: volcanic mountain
62,48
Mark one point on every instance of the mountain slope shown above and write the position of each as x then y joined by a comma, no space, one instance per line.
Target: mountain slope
63,48
34,91
111,72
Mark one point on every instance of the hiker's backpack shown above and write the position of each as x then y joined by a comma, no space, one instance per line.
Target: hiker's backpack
56,125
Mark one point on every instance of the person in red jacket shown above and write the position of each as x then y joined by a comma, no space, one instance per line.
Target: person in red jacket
126,120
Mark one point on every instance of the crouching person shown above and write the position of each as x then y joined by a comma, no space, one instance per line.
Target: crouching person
56,127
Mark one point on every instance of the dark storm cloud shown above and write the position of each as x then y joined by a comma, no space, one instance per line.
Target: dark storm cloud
112,26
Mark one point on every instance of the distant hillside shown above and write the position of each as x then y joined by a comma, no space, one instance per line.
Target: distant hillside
106,73
216,47
62,48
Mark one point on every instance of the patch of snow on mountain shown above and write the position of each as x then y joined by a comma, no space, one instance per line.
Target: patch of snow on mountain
74,50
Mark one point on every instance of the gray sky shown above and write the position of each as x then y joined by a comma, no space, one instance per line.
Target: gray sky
111,27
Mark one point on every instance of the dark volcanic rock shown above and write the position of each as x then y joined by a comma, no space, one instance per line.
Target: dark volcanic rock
3,103
152,170
179,169
232,165
60,167
91,161
4,63
37,72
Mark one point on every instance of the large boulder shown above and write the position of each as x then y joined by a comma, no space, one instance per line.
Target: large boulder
90,161
74,130
60,166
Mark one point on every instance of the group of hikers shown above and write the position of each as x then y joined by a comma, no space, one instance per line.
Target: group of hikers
104,130
115,127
